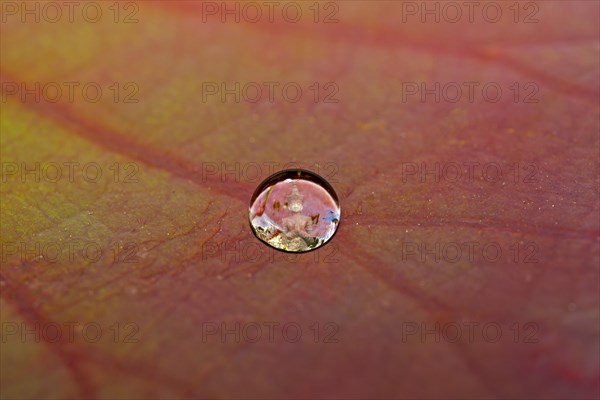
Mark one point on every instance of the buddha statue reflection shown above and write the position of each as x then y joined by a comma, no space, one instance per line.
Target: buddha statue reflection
296,228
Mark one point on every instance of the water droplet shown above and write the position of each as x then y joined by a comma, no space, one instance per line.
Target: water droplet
294,210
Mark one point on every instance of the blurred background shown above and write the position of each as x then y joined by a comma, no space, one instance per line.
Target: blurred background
462,140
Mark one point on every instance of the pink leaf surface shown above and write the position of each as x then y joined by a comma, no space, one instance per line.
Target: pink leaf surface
466,263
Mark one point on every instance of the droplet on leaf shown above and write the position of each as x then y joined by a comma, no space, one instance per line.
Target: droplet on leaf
294,210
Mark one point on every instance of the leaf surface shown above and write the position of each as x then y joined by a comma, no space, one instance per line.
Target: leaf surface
178,170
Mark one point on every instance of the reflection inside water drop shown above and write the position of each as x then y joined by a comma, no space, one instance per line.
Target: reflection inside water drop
294,210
